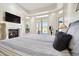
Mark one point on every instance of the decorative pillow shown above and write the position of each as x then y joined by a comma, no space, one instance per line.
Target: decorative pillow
61,41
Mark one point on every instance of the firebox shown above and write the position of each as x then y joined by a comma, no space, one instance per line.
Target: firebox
13,33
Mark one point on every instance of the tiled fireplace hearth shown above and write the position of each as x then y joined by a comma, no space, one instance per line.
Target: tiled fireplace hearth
13,33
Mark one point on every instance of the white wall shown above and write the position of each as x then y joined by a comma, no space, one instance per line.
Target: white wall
70,14
33,26
14,9
53,21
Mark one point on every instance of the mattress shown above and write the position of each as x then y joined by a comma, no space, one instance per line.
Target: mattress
29,45
39,45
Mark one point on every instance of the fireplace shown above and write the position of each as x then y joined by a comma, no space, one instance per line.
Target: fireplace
13,33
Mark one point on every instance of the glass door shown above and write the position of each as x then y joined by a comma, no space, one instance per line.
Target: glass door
42,27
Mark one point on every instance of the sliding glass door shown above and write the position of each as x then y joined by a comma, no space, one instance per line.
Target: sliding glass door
42,26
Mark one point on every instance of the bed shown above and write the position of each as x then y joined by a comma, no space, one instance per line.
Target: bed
39,45
29,45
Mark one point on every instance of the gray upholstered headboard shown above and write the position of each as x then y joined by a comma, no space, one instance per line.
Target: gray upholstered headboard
74,23
74,31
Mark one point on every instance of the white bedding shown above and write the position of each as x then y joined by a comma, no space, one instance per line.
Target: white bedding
33,45
29,45
39,45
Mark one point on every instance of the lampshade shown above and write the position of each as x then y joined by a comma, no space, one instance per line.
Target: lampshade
61,26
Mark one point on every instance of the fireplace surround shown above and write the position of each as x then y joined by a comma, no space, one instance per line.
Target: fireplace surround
13,33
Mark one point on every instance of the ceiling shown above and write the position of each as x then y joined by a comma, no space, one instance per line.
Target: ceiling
32,8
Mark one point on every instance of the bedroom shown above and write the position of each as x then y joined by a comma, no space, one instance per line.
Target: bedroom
28,33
